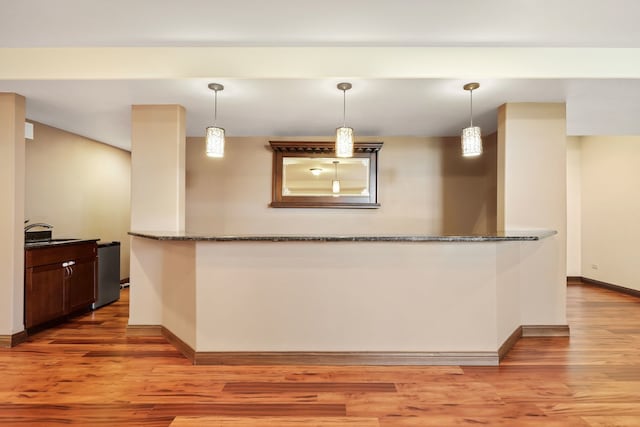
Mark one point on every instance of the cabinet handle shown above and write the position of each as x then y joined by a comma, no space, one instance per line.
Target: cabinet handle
67,268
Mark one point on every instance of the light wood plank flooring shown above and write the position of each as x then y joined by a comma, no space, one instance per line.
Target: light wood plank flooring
89,373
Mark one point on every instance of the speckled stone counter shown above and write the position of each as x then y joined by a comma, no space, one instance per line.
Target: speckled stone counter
57,242
495,237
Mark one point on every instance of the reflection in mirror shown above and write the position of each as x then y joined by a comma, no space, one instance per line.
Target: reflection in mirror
325,176
308,175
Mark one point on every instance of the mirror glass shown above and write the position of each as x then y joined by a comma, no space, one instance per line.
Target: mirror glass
325,176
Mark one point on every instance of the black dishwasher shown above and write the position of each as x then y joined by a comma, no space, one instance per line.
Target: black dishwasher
108,274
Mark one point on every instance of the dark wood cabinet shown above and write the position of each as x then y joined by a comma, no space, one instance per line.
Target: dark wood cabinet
59,280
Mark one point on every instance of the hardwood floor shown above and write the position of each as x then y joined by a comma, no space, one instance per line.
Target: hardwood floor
89,373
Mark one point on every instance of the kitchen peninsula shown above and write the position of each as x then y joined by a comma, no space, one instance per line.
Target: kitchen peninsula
316,299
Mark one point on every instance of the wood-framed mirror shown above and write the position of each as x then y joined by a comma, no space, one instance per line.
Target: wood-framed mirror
307,174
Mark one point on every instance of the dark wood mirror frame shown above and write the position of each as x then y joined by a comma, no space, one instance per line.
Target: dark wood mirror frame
309,149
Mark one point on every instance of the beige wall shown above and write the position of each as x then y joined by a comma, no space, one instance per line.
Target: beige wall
12,115
425,186
80,186
611,209
574,207
469,188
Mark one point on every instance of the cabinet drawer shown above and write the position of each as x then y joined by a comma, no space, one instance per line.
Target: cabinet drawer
59,254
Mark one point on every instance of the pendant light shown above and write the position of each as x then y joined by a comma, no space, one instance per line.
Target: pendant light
335,184
471,136
215,135
344,135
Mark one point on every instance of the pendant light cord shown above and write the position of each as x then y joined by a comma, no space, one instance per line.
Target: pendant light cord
344,109
215,108
471,107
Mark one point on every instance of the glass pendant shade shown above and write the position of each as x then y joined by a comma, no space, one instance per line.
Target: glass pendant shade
215,141
335,186
344,142
471,141
471,137
215,135
344,135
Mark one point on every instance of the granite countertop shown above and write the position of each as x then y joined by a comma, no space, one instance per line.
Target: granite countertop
492,237
56,242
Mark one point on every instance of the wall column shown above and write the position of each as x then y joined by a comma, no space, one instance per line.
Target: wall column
532,194
157,200
12,179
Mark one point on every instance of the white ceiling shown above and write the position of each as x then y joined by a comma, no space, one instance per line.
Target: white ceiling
100,109
65,23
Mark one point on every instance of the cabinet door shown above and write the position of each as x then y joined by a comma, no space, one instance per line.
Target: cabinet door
81,285
44,294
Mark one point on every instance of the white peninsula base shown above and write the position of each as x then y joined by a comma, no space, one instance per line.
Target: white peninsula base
399,300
